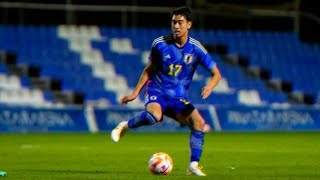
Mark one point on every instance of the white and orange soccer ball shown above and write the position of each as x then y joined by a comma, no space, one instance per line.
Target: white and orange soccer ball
160,164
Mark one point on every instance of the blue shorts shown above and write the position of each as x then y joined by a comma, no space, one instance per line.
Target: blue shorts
171,106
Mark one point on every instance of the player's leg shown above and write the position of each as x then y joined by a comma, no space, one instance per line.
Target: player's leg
151,115
196,124
185,113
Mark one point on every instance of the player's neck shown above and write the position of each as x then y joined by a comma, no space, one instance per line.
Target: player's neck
181,41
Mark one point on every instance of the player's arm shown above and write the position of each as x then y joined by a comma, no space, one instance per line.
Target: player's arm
214,80
142,81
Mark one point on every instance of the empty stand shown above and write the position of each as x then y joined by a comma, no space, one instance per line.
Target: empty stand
104,63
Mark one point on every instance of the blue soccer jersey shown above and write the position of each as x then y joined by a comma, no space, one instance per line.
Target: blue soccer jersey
175,66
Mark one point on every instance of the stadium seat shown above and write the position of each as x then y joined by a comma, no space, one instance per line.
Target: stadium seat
106,62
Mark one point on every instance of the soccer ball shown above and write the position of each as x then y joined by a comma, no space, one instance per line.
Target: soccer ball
160,164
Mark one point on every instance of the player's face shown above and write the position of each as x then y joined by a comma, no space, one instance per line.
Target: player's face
180,26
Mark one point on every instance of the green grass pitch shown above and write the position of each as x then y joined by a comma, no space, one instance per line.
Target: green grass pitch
263,155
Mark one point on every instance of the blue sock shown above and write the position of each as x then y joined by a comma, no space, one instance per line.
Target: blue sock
142,119
196,144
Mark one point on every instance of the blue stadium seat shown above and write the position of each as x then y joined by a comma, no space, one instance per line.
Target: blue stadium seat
281,52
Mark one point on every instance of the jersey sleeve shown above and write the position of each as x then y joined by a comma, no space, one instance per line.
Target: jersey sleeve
206,59
154,53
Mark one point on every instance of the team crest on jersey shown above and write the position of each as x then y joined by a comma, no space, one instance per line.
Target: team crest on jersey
188,58
150,98
153,98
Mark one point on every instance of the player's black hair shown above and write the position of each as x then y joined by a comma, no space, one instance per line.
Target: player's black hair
183,11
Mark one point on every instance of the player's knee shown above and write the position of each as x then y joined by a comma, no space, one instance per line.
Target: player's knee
156,115
202,123
198,122
156,111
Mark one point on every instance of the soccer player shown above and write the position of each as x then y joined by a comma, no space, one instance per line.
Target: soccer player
172,62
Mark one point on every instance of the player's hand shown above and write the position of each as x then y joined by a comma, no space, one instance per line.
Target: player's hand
126,99
206,91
